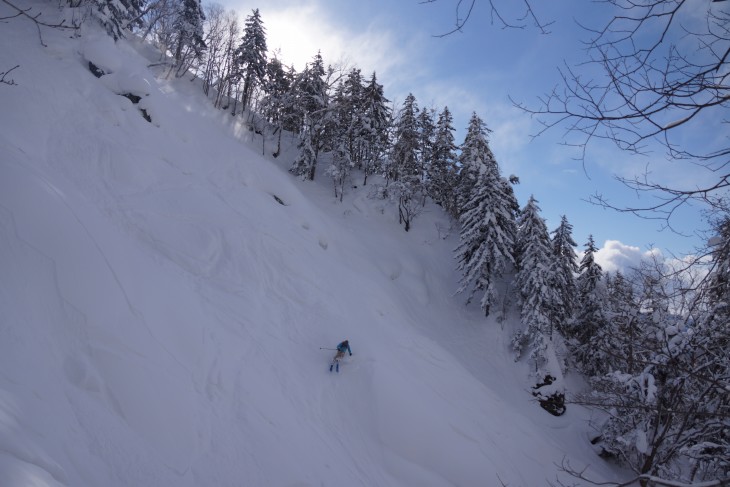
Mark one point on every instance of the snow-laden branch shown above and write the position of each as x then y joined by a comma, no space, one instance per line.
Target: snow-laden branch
644,479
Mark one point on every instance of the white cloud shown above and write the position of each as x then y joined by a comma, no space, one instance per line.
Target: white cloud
452,93
510,137
300,31
615,255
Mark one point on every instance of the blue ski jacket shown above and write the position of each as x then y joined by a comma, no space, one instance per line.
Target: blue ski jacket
344,347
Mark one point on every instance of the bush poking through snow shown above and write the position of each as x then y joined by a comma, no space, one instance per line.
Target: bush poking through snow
551,399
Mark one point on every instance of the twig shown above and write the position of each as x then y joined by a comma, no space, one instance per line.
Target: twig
34,18
4,74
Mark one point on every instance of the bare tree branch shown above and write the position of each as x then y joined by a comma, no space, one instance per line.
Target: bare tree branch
464,10
657,77
4,74
638,480
34,18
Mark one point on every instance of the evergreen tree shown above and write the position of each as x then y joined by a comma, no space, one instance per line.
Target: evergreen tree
486,247
376,124
564,270
312,88
292,113
426,139
305,161
442,172
116,16
534,283
590,274
309,104
620,340
475,152
276,86
343,135
346,131
404,154
537,298
251,56
589,317
188,32
476,156
404,166
351,116
534,277
510,201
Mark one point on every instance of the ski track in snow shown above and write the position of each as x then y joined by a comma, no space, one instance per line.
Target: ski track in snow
162,314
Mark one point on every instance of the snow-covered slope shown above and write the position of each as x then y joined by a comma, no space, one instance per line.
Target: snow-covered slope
161,313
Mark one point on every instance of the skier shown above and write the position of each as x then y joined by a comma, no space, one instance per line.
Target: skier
341,349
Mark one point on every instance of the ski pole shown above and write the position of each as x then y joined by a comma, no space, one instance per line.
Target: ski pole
324,348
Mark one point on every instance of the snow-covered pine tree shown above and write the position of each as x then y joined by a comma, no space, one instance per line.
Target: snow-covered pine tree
508,194
376,125
442,172
534,278
619,339
117,16
537,298
292,112
426,136
313,88
475,156
564,270
303,164
637,310
276,86
404,166
475,152
487,245
350,116
251,56
310,105
403,158
589,317
343,110
188,35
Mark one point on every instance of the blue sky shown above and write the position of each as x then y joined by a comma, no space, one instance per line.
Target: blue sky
478,70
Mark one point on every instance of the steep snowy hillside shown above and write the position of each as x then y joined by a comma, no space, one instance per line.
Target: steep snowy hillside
161,313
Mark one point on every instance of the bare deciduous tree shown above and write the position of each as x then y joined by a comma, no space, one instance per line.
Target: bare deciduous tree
655,70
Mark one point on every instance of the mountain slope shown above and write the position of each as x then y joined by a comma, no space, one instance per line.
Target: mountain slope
162,313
